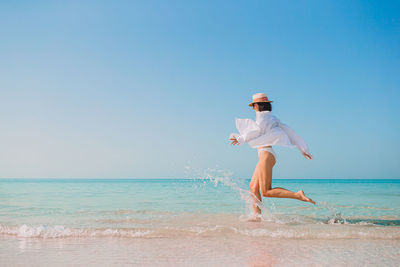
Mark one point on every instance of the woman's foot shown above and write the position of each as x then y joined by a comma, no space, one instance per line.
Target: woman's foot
303,197
254,217
254,220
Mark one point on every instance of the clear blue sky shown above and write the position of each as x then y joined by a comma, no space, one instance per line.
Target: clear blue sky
148,89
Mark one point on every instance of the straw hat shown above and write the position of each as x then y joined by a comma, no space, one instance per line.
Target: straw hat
259,97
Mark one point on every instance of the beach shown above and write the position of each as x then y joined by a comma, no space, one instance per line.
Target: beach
197,222
199,251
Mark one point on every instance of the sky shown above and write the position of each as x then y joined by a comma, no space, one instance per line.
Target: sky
151,89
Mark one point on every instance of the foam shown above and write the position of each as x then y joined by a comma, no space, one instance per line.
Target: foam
60,231
262,229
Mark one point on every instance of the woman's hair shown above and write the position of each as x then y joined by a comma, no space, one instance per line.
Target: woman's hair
263,106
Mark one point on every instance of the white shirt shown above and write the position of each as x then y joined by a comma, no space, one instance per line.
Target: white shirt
267,130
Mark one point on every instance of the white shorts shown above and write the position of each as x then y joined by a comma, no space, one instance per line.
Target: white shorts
266,148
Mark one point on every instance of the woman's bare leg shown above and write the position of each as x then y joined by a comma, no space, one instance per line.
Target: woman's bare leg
266,163
255,190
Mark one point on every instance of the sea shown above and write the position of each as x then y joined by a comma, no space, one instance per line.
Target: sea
204,221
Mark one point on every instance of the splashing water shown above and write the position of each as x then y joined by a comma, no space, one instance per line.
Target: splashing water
218,176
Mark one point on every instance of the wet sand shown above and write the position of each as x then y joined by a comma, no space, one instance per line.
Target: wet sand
198,251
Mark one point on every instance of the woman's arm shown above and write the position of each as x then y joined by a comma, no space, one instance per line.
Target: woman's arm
248,130
296,140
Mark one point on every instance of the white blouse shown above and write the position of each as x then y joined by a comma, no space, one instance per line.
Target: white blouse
267,130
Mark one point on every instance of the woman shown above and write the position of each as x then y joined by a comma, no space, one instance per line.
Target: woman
263,134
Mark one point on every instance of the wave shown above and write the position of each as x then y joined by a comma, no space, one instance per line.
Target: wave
259,229
60,231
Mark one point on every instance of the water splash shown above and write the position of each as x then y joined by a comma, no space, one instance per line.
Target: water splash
334,216
218,176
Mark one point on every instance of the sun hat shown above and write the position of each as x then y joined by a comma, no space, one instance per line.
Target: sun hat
259,97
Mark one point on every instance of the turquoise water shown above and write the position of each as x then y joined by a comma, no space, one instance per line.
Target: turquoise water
58,208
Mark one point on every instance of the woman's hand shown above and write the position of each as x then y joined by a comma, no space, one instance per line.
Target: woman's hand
234,141
308,156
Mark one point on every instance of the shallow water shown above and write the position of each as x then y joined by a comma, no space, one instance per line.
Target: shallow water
45,216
